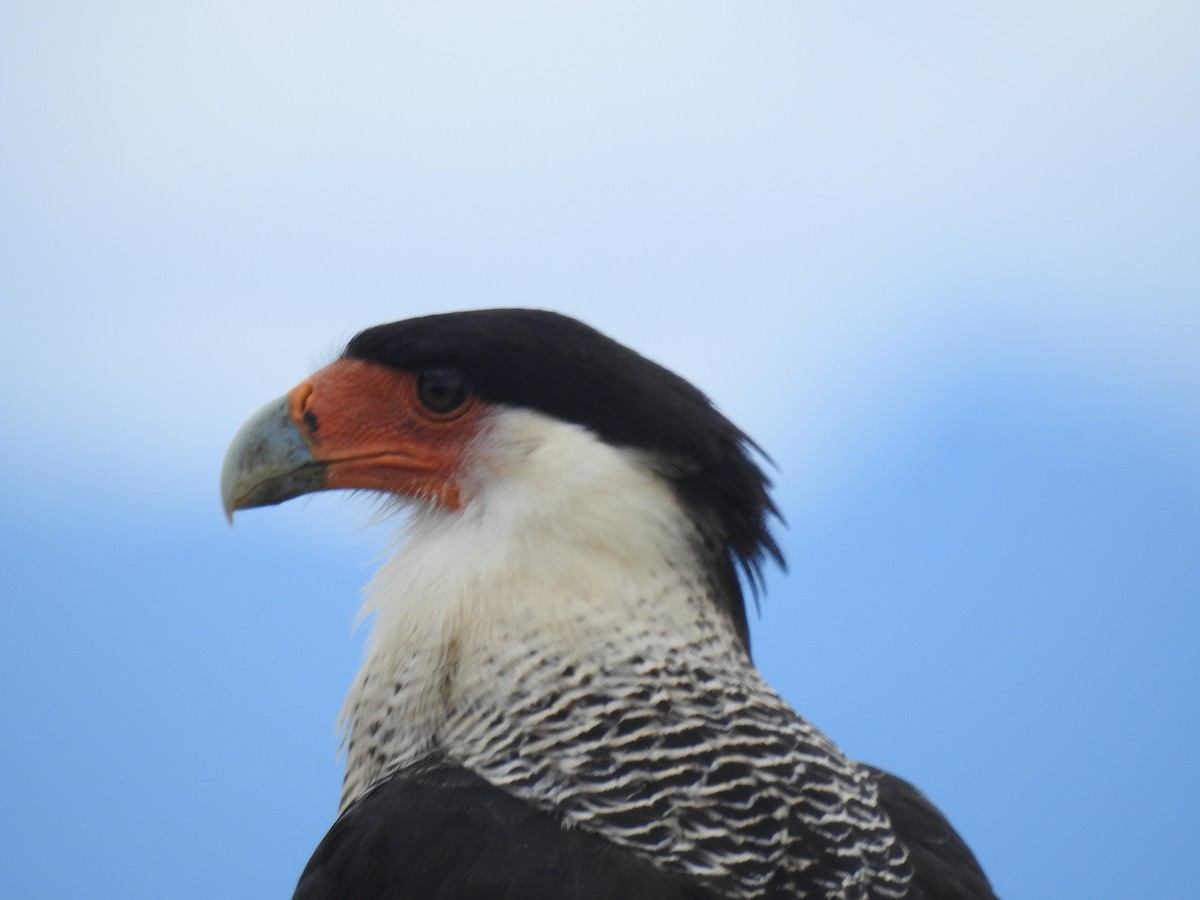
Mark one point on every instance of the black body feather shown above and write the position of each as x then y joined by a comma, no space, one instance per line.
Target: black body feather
443,833
438,832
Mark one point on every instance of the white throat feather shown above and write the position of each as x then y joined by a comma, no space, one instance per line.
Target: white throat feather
567,548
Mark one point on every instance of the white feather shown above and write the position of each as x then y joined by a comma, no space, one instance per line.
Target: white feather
564,546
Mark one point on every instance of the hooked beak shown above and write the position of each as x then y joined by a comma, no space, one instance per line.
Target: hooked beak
268,462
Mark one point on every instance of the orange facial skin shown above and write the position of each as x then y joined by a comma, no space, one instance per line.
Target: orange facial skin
366,423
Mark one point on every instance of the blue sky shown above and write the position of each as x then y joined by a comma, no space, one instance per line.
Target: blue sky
941,262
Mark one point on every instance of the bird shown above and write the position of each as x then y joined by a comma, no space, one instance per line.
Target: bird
557,699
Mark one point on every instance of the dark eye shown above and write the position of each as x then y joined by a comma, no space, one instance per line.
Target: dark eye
442,390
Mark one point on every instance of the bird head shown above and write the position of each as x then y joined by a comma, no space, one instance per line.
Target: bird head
405,410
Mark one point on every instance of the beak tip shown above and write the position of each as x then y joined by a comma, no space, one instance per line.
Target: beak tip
229,478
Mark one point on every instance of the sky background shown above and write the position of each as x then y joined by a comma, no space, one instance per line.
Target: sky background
940,260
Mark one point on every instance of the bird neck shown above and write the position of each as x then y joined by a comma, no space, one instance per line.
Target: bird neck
509,622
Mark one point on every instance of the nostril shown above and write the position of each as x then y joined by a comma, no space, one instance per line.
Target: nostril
299,399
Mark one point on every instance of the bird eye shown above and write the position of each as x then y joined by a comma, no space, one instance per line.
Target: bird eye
442,390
